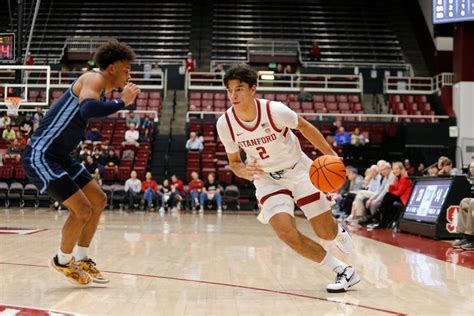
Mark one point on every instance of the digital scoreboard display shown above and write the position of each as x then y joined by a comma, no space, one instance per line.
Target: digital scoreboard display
447,11
427,199
7,47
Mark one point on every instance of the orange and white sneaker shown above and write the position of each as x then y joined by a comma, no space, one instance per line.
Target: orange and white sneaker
89,266
72,271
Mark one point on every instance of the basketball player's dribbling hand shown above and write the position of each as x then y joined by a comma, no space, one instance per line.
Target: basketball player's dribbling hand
129,93
253,169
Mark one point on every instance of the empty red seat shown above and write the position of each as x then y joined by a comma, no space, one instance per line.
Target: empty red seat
270,96
155,95
143,95
219,96
342,98
281,97
20,172
344,106
225,175
329,98
296,106
332,106
123,173
318,98
195,96
307,106
208,96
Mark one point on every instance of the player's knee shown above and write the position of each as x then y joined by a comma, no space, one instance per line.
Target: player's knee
99,203
82,211
290,236
328,232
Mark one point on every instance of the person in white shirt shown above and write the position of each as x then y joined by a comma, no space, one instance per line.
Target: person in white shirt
280,171
194,143
133,188
131,136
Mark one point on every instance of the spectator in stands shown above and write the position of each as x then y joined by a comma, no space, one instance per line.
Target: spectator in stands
304,96
156,73
194,143
147,123
22,139
357,138
37,117
331,138
97,156
8,134
96,175
145,137
5,121
447,167
372,183
470,174
219,71
105,147
211,191
409,168
150,191
398,192
168,196
27,126
90,164
133,119
147,72
131,136
420,171
93,136
14,150
289,71
133,187
195,188
177,187
30,60
433,171
315,52
279,70
189,63
356,182
111,160
374,202
465,225
85,151
343,139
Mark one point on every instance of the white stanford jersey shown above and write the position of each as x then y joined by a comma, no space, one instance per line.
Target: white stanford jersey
269,139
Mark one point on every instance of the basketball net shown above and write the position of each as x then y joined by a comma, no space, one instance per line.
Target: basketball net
13,104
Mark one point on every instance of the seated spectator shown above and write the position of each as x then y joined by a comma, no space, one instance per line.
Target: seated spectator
37,117
133,119
433,171
14,150
84,152
150,191
279,70
97,156
304,96
398,192
195,188
131,136
211,191
357,138
145,137
133,187
355,185
194,143
5,121
409,168
90,164
22,140
343,139
147,123
8,134
315,52
93,136
178,189
331,138
96,175
465,225
111,160
168,196
373,182
420,171
27,126
374,202
105,147
447,167
470,175
219,71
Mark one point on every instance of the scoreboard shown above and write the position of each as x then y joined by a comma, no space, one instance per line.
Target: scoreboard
447,11
7,47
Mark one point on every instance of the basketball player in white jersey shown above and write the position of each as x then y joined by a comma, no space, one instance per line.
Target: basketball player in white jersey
280,171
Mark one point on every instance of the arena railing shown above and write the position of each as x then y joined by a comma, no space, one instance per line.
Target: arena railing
281,82
417,85
321,116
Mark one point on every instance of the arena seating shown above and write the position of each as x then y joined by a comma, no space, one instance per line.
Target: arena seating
344,30
161,30
413,105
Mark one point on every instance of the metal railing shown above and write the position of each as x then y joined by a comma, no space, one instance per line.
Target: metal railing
273,48
85,45
320,116
417,85
282,82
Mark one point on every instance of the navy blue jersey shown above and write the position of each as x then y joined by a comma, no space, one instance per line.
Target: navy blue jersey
62,128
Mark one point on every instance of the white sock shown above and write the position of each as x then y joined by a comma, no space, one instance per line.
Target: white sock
333,263
64,258
80,253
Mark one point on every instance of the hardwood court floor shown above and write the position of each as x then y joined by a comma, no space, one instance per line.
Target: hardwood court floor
187,264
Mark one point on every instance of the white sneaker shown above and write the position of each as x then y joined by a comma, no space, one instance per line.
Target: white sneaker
344,280
219,210
162,210
201,210
344,240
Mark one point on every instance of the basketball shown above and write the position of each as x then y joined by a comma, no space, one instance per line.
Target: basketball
327,173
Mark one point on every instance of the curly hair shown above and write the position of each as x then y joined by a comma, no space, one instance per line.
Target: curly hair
113,51
241,72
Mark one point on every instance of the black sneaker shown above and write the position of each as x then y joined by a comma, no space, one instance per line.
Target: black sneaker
457,244
469,245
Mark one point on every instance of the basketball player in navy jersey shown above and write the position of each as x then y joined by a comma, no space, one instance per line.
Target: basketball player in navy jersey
49,166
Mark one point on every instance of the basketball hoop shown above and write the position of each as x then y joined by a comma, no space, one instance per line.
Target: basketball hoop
13,104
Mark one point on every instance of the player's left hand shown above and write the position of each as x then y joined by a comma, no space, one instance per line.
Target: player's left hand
254,170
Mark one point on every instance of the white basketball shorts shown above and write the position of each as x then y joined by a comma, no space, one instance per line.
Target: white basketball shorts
279,193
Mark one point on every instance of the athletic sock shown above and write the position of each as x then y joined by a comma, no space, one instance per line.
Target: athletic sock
333,263
80,253
63,258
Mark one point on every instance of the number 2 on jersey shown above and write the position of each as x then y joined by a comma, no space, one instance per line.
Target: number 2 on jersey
262,152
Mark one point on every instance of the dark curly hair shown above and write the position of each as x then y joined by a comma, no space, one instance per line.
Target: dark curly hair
241,72
113,51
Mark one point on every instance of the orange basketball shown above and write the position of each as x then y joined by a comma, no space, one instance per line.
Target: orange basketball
327,173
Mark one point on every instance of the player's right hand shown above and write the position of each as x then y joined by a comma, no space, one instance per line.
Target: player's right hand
130,93
253,170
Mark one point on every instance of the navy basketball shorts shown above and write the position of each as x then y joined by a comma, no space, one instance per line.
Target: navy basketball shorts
61,177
